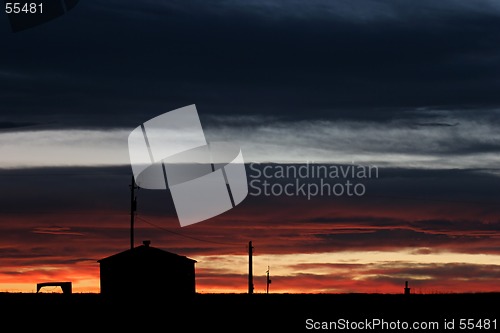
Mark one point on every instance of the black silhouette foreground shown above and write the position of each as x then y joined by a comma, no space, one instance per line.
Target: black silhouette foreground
257,312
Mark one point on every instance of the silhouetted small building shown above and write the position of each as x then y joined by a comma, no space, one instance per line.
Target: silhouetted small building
147,271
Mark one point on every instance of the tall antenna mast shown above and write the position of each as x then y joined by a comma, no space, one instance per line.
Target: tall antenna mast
133,208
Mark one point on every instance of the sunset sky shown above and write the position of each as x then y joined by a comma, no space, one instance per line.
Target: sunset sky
408,88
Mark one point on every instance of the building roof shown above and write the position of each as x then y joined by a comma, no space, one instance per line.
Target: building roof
145,250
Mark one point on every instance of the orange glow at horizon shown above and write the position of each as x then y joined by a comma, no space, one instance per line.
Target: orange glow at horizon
347,272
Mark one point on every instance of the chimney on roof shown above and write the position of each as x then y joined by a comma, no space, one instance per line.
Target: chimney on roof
146,243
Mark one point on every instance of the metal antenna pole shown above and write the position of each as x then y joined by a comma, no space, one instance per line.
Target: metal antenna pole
268,281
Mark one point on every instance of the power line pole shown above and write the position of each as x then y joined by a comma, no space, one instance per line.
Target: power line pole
133,208
250,273
268,281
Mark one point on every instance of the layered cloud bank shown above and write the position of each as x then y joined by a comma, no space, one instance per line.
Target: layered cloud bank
433,140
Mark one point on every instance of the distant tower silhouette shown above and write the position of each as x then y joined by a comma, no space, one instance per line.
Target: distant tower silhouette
407,290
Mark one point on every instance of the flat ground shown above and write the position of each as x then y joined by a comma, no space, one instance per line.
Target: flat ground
265,313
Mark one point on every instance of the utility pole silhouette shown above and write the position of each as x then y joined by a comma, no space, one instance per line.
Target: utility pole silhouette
250,268
268,280
133,208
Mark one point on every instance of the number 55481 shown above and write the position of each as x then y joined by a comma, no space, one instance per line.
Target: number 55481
26,8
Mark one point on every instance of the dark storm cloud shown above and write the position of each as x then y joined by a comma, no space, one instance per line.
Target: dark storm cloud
106,189
115,63
77,192
6,125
